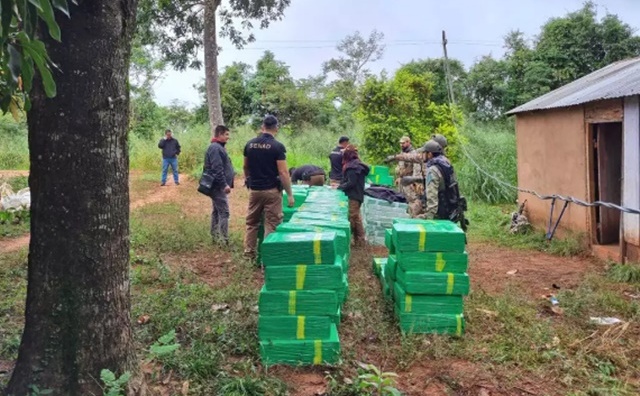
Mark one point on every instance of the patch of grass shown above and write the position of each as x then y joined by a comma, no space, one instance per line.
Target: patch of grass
17,183
164,228
490,223
13,289
628,273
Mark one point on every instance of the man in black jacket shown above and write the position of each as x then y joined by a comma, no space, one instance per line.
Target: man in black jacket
354,175
335,158
170,151
218,164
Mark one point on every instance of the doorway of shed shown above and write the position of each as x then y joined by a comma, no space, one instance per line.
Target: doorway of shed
607,182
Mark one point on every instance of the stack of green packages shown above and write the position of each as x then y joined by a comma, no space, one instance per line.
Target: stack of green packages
380,176
426,275
305,284
300,193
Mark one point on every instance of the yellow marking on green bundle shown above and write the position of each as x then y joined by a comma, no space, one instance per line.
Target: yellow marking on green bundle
450,282
317,353
317,252
301,274
458,324
440,262
407,302
292,302
300,328
423,237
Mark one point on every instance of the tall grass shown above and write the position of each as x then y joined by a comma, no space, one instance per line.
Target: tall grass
493,148
15,151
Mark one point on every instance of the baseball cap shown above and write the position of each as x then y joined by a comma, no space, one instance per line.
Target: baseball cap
270,121
343,139
405,139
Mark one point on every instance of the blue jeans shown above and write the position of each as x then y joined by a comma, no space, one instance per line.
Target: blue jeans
174,167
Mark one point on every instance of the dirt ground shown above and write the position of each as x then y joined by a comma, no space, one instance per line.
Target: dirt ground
492,269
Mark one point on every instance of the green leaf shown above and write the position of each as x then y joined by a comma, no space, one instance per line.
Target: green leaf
37,51
27,73
15,61
161,350
107,376
124,378
38,3
7,15
62,6
167,338
46,13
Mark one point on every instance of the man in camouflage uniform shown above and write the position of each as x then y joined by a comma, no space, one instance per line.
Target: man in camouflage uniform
409,164
439,170
442,141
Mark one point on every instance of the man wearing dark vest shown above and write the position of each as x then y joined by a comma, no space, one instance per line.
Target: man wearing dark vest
308,174
335,158
266,175
218,164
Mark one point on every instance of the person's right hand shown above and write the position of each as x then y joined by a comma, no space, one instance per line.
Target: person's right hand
291,201
227,190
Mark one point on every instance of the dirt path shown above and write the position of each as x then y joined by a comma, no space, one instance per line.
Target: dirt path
168,193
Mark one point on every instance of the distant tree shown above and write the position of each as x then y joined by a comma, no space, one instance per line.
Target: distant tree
180,28
350,68
391,108
436,68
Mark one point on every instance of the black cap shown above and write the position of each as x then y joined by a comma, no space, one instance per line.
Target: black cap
343,139
270,122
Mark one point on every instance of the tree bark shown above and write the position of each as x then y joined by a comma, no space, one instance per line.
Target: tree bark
78,304
212,80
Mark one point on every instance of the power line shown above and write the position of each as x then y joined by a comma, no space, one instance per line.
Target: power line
389,44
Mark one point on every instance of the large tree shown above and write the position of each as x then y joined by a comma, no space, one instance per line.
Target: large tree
78,307
180,28
350,68
436,67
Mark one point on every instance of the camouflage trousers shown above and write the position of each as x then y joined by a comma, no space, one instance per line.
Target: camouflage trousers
413,199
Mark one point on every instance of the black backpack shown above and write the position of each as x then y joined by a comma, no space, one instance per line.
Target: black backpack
449,197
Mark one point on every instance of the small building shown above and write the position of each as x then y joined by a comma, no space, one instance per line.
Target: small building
583,140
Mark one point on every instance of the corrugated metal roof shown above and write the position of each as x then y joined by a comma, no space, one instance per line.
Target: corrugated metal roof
617,80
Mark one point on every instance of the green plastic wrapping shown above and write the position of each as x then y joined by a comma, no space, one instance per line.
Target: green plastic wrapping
379,170
299,196
341,225
305,277
431,324
433,261
294,327
339,208
302,352
331,217
299,248
390,267
342,241
294,302
435,283
378,264
380,180
384,283
426,304
428,236
287,213
388,241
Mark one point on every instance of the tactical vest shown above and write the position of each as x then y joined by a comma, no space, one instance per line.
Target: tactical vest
449,196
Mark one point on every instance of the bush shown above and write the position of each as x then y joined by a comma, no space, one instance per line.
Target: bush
493,147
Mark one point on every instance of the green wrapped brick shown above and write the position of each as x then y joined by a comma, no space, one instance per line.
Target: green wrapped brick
341,225
302,352
299,196
426,304
299,248
388,241
342,240
384,283
431,324
379,170
331,217
378,264
305,277
427,236
294,327
434,283
287,213
380,180
433,261
294,302
390,267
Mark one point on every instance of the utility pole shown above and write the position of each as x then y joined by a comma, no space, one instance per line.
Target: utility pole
452,99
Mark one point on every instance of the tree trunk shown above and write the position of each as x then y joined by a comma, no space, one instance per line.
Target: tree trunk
212,80
78,305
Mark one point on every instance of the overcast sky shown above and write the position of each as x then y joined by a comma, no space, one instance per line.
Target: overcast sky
310,29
